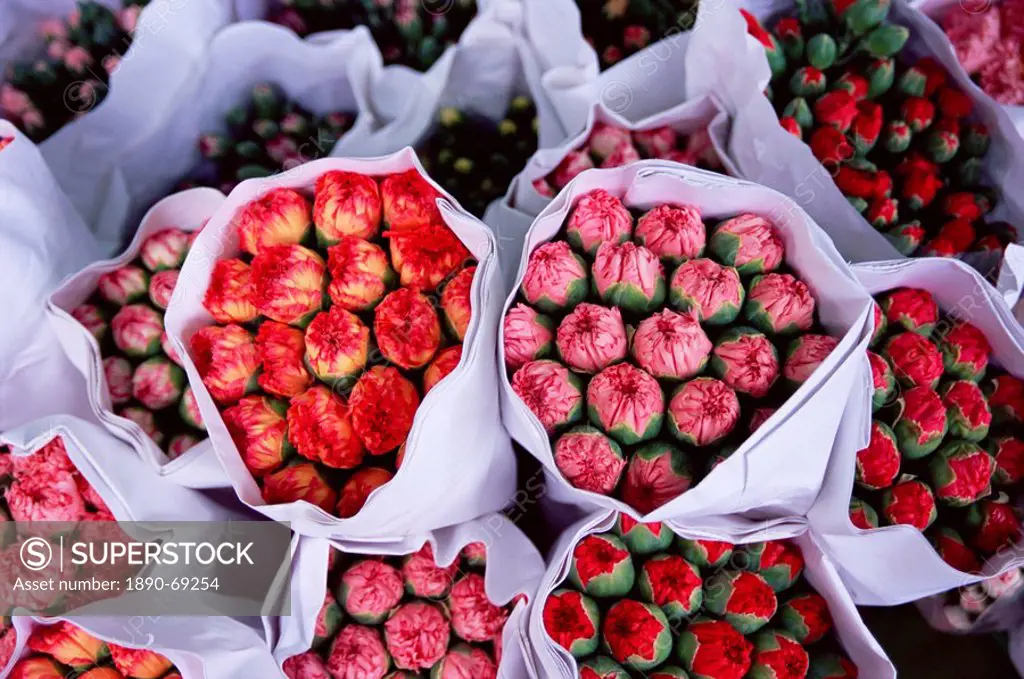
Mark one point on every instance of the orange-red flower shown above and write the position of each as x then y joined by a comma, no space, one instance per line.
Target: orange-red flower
288,283
337,344
139,663
258,428
455,302
281,350
383,405
299,482
320,429
67,644
227,361
111,673
358,488
360,273
445,362
280,217
346,204
425,256
39,667
229,298
407,329
409,201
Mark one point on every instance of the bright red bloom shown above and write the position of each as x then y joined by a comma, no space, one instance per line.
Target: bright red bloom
383,405
456,304
346,204
409,201
227,361
837,108
357,489
565,619
721,651
359,273
910,503
425,256
230,298
953,238
830,146
755,29
281,349
814,611
407,329
596,556
288,283
853,182
954,103
299,482
279,217
320,429
443,364
630,630
258,427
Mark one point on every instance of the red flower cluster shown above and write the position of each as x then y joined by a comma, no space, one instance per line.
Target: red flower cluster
631,306
949,420
143,373
656,606
405,615
291,359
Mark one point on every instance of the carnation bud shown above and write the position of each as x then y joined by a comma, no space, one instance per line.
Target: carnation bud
954,103
975,139
880,73
885,41
821,51
572,620
862,515
792,126
919,189
907,237
798,109
807,81
961,473
790,35
941,146
897,136
882,213
853,83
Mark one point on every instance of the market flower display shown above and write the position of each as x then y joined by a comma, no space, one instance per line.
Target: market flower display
638,324
405,616
676,608
344,308
940,457
125,315
987,43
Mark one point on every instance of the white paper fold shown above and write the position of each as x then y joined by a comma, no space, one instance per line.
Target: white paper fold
458,463
799,435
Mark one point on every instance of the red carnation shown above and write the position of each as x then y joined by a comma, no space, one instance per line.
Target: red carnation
789,124
320,429
713,648
919,189
953,238
853,182
837,108
995,524
954,103
383,406
918,112
830,146
934,73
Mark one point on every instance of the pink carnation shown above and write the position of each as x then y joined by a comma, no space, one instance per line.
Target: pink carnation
118,373
599,217
672,233
528,336
550,391
357,653
625,154
749,242
589,460
780,302
50,459
626,402
1002,77
465,662
670,345
705,286
474,617
591,338
605,139
974,35
555,277
657,143
306,665
161,287
417,635
370,589
574,163
423,577
45,497
804,359
629,276
747,361
703,410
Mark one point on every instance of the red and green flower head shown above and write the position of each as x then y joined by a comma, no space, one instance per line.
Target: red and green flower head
830,146
714,649
974,139
1006,399
67,644
657,473
896,138
157,383
1009,455
907,237
643,538
882,378
805,354
667,672
966,205
230,297
805,617
383,407
712,291
912,308
882,212
125,285
629,276
296,482
328,621
636,635
878,465
706,554
555,278
258,427
589,460
773,51
853,83
880,74
778,655
967,411
346,204
954,103
551,391
837,109
138,330
161,288
965,351
703,411
880,321
954,237
279,217
602,667
602,566
854,182
443,364
951,548
407,329
746,360
807,81
337,345
282,350
456,303
781,564
828,665
673,233
743,598
779,304
992,525
427,255
598,218
369,589
144,420
673,584
922,422
360,273
424,578
918,113
627,403
941,145
862,515
91,318
528,336
165,249
288,283
591,338
748,242
867,126
227,361
909,503
409,201
572,621
961,473
321,430
916,360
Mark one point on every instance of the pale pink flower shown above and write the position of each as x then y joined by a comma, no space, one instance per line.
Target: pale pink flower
592,337
605,139
45,497
599,217
671,345
417,635
14,101
474,617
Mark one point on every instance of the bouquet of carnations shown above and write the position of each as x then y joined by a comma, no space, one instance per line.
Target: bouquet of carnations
988,606
674,331
942,471
259,101
110,319
452,603
617,29
339,334
896,152
36,379
664,600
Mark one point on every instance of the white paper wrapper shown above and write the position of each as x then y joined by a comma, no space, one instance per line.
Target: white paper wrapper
215,648
514,566
1003,614
162,148
553,662
188,211
458,463
42,239
765,153
866,559
795,436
